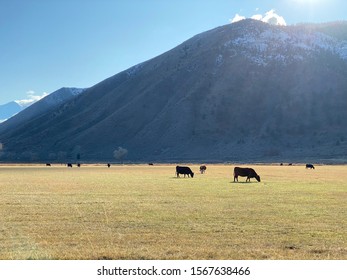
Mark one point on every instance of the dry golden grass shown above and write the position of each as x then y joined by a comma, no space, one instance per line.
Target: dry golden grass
144,212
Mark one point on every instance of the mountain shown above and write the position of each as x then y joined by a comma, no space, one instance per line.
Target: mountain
12,108
247,91
8,110
29,113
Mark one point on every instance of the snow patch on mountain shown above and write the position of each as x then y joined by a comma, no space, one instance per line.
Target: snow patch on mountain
77,91
342,50
219,60
284,46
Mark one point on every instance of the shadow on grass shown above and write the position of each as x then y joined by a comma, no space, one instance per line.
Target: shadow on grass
244,182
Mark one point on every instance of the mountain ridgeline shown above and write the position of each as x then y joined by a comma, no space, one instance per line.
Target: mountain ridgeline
247,91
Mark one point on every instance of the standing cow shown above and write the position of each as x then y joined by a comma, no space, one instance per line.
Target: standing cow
184,170
245,172
203,169
310,166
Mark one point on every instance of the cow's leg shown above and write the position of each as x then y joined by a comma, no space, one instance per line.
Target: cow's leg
235,178
248,179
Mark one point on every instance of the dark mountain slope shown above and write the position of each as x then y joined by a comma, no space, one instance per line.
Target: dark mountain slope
246,91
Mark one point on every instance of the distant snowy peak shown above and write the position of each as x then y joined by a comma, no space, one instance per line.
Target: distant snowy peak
8,110
263,43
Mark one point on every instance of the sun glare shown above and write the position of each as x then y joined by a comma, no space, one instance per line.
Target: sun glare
311,2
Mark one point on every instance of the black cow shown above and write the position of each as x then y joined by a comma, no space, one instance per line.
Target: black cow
48,164
184,170
108,165
78,165
69,165
203,169
245,172
310,166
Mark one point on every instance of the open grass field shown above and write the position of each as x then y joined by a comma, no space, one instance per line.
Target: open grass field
145,212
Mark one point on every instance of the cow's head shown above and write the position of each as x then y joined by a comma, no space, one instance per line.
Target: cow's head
192,174
257,177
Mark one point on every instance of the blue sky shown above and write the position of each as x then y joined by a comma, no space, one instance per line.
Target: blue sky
49,44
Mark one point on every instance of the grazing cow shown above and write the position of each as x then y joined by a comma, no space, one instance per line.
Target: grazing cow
184,170
78,165
48,164
310,166
290,164
108,165
69,165
150,163
203,169
245,172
